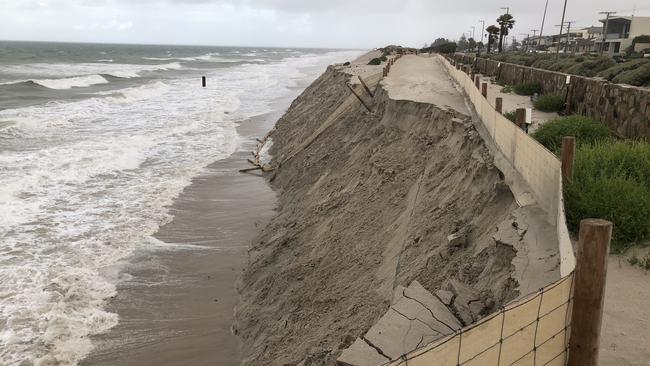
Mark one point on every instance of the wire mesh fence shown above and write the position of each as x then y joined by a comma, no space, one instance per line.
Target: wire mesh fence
531,331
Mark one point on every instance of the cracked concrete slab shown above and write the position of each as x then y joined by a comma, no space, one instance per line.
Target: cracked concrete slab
437,309
395,334
466,302
361,354
535,242
415,319
445,296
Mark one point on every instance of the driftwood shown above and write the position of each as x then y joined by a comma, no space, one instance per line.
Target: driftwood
256,162
250,169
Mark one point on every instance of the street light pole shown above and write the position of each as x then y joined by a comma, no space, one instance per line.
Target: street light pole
482,35
527,40
568,35
602,45
541,30
561,28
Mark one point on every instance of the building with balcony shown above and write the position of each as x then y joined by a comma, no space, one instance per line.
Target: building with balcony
620,31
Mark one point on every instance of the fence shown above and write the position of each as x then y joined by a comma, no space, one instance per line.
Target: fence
535,329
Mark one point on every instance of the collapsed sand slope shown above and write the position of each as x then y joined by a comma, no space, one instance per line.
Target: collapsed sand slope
367,203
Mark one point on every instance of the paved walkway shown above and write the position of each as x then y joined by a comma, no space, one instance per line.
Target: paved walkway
423,79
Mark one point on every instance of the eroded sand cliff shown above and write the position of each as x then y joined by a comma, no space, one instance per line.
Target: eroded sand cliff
367,203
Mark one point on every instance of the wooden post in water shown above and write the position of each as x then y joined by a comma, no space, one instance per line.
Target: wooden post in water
203,81
498,105
589,291
484,90
568,158
520,117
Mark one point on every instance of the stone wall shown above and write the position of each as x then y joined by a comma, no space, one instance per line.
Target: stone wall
624,108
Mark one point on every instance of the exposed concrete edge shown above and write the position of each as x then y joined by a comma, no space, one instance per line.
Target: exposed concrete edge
520,187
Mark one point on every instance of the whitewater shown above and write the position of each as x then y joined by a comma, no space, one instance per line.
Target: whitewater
92,154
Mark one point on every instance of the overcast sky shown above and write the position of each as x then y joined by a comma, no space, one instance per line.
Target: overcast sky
290,23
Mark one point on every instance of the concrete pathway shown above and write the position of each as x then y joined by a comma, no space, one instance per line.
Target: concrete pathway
423,79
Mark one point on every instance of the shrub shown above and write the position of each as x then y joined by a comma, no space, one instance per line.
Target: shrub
591,67
528,88
549,103
375,61
639,76
447,48
585,130
613,71
512,116
506,89
612,181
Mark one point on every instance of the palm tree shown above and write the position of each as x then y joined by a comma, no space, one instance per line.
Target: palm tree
506,21
493,32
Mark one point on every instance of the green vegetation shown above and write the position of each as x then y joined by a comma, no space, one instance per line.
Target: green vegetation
627,71
528,88
506,89
612,181
446,48
549,103
638,76
611,178
512,116
375,61
585,130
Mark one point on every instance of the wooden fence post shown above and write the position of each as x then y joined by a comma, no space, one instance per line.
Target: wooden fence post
477,82
359,97
498,105
484,88
363,83
520,117
568,158
589,291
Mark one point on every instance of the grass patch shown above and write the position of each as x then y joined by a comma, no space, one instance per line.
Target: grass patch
507,89
549,103
512,116
584,129
612,181
375,61
528,88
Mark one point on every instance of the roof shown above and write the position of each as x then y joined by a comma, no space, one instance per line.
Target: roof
594,29
629,18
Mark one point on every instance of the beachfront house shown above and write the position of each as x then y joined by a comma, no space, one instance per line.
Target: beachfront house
620,32
586,39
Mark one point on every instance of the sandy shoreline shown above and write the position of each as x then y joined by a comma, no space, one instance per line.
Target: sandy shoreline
178,306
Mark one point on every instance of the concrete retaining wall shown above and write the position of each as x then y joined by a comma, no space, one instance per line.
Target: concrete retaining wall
624,108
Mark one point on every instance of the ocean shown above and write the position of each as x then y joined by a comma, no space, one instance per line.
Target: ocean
96,141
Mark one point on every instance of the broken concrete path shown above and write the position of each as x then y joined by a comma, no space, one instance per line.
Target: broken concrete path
415,319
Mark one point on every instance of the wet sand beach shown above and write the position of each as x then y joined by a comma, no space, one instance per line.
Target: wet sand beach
176,302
